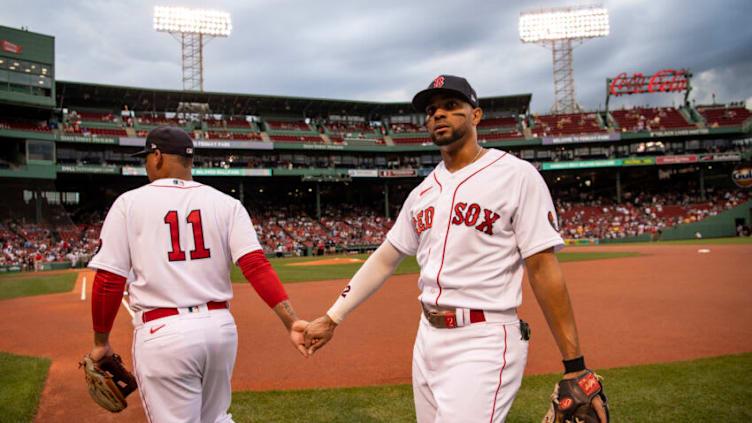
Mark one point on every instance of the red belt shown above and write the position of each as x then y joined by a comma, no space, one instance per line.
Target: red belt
159,313
477,316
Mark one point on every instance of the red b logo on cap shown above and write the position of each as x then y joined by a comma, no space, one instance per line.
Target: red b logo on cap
438,82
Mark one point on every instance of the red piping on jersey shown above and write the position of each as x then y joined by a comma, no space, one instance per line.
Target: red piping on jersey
493,410
426,190
437,181
449,222
174,186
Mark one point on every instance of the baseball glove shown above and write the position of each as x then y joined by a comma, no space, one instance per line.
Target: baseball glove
571,400
108,381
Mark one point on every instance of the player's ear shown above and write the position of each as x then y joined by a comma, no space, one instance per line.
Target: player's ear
159,159
477,115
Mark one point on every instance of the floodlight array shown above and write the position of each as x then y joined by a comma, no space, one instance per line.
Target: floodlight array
563,24
192,21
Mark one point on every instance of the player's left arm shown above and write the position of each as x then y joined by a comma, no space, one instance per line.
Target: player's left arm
547,281
259,272
247,253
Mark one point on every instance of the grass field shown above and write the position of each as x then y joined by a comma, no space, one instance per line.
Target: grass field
713,389
12,286
21,387
408,266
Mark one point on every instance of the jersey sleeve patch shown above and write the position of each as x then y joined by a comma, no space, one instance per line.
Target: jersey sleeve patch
552,221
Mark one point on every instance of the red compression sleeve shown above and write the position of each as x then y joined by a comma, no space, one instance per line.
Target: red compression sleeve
258,271
106,295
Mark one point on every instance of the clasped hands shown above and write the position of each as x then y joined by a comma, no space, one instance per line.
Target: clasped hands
307,337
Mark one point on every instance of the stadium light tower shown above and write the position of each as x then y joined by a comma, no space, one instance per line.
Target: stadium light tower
192,28
559,29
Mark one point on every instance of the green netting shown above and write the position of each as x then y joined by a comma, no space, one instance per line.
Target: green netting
101,124
362,140
137,126
409,134
293,133
242,130
497,130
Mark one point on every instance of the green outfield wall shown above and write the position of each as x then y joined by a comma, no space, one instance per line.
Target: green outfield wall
15,268
720,225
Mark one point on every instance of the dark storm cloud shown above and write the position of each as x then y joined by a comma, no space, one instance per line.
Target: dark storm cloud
386,51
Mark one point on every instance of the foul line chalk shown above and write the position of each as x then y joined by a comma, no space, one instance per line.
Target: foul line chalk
83,290
128,308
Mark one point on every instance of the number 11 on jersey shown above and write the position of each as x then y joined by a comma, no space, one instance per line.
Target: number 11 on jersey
194,218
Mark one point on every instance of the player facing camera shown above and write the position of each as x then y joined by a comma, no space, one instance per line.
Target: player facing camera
451,107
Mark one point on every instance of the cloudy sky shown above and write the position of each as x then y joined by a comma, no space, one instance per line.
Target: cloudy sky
388,50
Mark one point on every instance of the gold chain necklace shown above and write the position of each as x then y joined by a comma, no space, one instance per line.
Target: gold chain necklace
476,155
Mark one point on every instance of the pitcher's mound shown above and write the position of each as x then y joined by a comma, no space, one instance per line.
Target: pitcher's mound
338,260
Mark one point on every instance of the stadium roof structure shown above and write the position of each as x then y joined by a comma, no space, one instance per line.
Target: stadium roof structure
83,96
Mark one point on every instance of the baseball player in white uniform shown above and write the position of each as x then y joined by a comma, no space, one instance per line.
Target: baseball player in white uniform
180,238
474,224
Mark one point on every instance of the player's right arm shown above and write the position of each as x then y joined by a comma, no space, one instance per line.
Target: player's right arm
401,241
112,262
367,280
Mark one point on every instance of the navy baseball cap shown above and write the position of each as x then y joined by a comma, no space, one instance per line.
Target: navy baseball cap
448,84
169,140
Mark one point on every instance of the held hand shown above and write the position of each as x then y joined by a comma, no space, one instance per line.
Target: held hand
318,333
297,338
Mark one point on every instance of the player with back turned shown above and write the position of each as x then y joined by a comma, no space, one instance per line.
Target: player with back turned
180,238
474,224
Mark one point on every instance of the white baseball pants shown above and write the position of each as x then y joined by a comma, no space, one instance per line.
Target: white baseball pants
470,373
183,365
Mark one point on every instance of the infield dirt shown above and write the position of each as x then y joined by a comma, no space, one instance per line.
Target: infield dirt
327,262
669,304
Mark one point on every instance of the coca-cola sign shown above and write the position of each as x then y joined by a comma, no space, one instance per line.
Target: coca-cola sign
663,81
10,47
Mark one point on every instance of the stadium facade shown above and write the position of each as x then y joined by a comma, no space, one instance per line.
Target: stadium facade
66,145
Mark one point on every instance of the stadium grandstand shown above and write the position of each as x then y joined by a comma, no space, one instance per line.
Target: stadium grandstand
328,175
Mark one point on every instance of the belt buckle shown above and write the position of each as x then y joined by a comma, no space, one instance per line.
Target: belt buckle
441,319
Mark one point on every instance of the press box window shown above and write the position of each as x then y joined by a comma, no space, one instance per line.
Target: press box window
40,151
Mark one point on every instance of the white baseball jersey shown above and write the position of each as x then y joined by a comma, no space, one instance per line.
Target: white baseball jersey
471,230
180,238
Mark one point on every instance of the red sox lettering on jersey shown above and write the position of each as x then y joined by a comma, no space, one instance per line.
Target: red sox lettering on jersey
468,215
423,220
463,214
